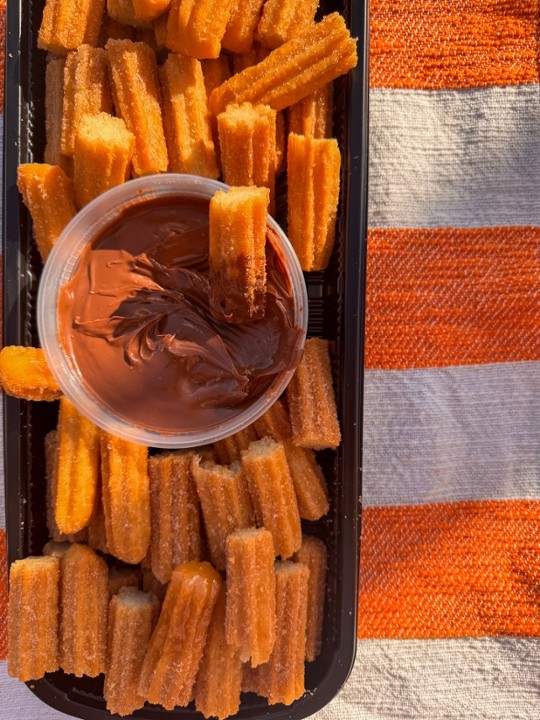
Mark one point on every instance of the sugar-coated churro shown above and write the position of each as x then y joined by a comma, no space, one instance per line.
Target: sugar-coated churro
84,597
196,29
113,30
123,11
241,27
271,486
137,99
229,449
47,193
313,166
312,403
282,20
33,617
215,72
251,57
302,65
149,10
126,497
102,156
54,103
160,33
97,534
123,577
186,118
251,615
314,115
313,554
238,253
24,374
225,502
67,25
177,643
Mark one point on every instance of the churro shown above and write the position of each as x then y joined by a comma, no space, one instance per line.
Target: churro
33,617
312,403
238,253
126,497
84,597
229,449
313,166
241,27
215,72
149,10
175,517
123,11
313,555
113,30
47,193
302,65
123,578
282,20
86,91
314,115
176,647
225,502
24,374
251,57
131,619
271,486
281,680
247,142
160,33
97,534
102,157
54,103
219,680
186,118
67,25
251,614
137,99
56,549
196,29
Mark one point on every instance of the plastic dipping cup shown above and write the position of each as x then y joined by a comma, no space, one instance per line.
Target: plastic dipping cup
60,266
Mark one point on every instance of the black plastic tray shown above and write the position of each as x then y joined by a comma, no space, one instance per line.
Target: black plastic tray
336,306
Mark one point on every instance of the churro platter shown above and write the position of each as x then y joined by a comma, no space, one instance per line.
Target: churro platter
219,579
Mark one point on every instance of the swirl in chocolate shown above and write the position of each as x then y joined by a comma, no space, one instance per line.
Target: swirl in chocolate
135,319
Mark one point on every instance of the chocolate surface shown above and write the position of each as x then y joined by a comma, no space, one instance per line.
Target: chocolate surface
135,319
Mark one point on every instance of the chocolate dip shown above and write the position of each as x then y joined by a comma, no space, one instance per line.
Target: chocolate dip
135,319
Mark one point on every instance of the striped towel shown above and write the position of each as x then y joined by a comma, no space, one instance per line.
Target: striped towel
449,606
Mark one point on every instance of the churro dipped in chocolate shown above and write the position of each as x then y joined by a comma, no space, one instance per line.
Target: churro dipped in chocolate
66,25
313,555
282,20
241,27
314,115
271,486
302,65
33,617
171,663
125,493
186,118
225,502
238,253
47,193
84,597
195,29
229,449
131,621
312,403
247,141
25,374
137,99
219,680
313,167
175,516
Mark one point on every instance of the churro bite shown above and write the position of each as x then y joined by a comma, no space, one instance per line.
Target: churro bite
24,374
240,31
196,29
281,20
67,25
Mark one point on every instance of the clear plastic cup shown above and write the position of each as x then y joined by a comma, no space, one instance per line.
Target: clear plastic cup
60,266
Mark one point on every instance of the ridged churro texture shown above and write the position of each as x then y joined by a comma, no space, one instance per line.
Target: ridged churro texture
251,615
229,449
186,118
313,555
137,98
131,619
271,486
149,10
66,25
84,598
176,647
247,143
33,617
219,680
311,398
102,156
282,20
314,115
76,470
126,497
225,502
54,105
175,515
25,374
238,253
87,90
241,27
313,167
47,193
302,65
196,27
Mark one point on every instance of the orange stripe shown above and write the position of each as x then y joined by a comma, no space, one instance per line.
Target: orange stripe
3,595
452,297
450,570
436,44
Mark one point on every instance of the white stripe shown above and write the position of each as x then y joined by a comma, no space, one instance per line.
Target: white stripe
447,434
455,158
465,679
